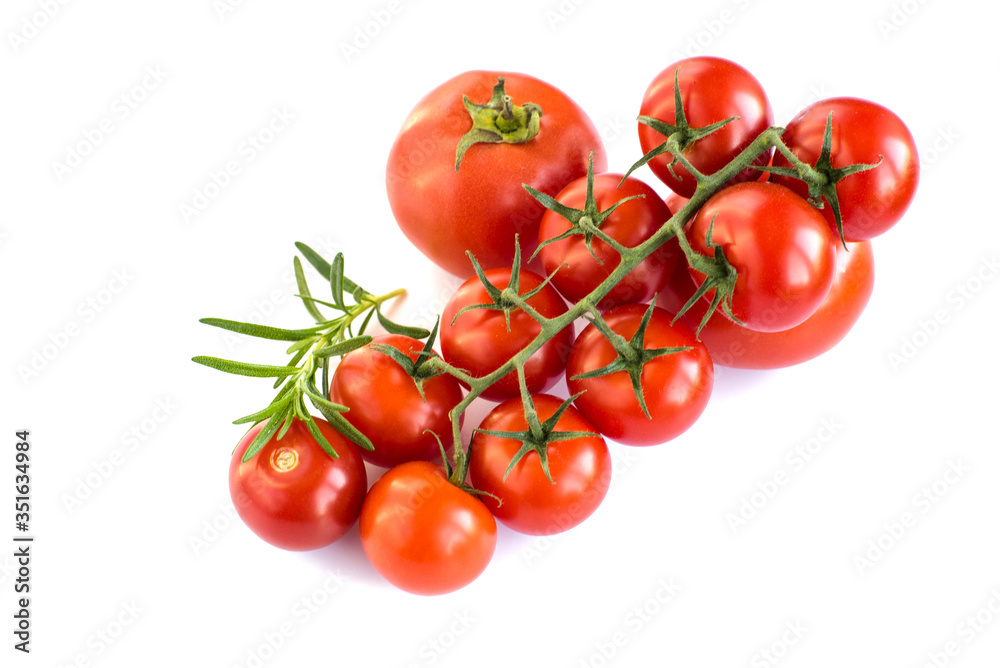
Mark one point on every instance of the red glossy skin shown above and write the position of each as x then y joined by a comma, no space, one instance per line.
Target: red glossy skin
480,207
580,469
386,406
871,201
735,346
781,247
631,223
293,494
676,387
479,341
423,534
712,90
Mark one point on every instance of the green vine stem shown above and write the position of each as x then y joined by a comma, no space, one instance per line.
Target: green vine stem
707,186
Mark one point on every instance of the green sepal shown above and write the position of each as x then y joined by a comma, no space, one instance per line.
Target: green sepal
396,328
499,121
719,274
680,131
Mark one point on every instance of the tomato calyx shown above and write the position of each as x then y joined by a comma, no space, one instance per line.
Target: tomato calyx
632,354
586,221
822,177
537,437
418,370
509,298
499,121
720,275
680,135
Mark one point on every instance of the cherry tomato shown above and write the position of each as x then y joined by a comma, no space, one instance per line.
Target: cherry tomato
422,533
630,224
385,404
712,90
292,493
781,247
479,341
445,212
676,387
531,503
871,201
735,346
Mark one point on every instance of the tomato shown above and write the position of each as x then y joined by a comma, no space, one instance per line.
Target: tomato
712,90
445,212
871,201
735,346
422,533
630,224
292,493
385,404
781,247
531,503
479,341
676,387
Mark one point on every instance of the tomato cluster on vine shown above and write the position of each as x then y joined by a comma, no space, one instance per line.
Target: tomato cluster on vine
759,258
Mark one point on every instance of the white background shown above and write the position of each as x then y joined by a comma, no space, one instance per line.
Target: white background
126,561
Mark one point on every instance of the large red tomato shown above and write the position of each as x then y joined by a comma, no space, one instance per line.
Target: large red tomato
871,201
780,246
479,341
630,224
676,387
529,501
712,90
735,346
386,406
423,534
480,207
292,493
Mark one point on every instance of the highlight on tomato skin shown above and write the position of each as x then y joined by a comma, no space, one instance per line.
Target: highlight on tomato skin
742,348
423,534
294,495
527,501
